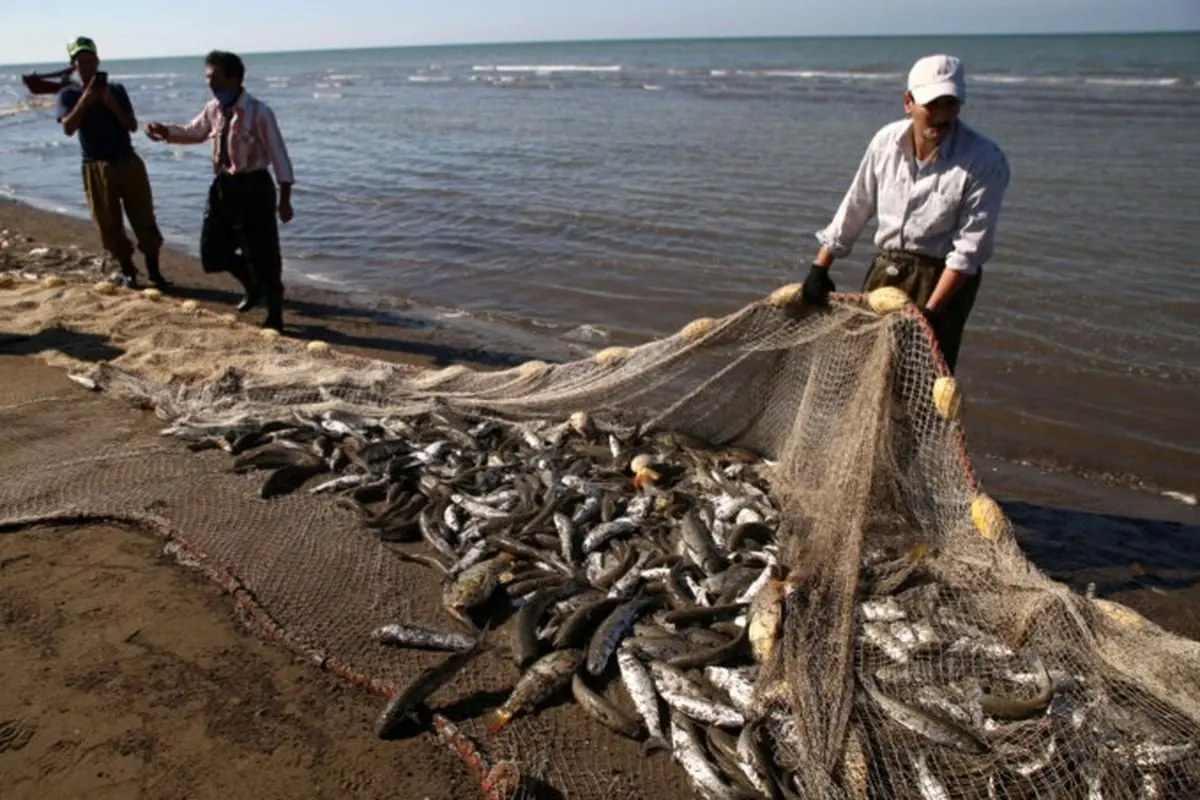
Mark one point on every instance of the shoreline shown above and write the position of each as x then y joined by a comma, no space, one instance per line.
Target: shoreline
392,329
396,329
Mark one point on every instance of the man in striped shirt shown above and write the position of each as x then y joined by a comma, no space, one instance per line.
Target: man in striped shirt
936,186
240,235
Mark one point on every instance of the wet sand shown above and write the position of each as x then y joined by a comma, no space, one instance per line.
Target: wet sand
127,675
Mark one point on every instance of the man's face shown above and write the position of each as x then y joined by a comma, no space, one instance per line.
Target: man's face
86,65
933,121
218,81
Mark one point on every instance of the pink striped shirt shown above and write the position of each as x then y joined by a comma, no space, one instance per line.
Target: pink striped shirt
254,138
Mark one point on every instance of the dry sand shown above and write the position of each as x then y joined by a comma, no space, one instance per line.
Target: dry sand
128,676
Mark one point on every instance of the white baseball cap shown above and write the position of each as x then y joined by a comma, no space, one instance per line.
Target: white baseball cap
935,76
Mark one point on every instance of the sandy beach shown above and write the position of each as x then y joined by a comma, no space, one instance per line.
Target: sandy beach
130,676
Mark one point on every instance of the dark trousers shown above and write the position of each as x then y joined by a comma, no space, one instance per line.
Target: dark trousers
917,275
118,189
240,233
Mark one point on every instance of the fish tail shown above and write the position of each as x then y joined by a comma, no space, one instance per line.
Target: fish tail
654,743
496,720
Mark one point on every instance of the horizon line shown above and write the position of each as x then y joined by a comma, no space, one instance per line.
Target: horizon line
616,39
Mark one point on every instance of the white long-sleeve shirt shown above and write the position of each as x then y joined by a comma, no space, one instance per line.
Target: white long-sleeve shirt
945,208
254,138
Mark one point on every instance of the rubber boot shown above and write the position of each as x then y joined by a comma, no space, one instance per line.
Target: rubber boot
128,273
274,309
249,299
152,271
253,292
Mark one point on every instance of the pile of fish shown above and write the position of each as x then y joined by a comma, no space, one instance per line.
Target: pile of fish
641,571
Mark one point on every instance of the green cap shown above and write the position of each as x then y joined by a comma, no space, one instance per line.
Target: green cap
82,44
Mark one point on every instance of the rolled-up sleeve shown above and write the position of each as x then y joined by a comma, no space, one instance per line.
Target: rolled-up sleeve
975,240
196,131
856,210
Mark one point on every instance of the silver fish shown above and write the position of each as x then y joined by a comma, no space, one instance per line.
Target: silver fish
738,683
926,723
342,482
477,508
615,627
701,709
422,637
640,687
605,531
931,788
689,753
566,536
84,381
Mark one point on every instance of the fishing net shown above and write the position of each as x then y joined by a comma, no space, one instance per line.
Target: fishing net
919,653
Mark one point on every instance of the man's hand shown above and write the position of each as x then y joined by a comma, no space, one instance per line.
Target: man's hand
285,210
89,95
156,131
934,320
817,286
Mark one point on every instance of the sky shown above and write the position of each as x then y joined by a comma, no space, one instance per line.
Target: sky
36,31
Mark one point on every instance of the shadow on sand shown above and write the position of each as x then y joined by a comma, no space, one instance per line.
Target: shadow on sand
309,310
1117,553
83,346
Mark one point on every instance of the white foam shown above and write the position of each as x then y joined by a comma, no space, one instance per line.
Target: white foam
144,76
318,278
1061,80
1134,81
542,69
1186,499
587,333
821,73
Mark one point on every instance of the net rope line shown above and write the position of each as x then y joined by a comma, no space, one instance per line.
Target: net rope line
990,554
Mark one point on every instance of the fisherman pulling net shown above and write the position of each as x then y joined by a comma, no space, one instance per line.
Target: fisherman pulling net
755,550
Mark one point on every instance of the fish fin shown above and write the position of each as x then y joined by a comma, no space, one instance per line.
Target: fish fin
496,720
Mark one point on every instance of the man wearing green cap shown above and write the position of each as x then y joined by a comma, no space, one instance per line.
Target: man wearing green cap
114,175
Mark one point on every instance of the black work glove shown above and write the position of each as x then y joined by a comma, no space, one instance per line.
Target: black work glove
934,318
817,286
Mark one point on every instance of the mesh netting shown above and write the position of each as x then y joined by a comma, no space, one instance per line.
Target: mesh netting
802,568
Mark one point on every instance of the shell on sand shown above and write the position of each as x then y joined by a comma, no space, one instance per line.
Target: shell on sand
270,334
317,346
151,294
104,287
189,305
53,282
